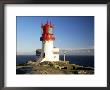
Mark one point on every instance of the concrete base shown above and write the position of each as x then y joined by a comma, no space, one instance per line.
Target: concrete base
45,59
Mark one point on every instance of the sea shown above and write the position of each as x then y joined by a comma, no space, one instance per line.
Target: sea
82,60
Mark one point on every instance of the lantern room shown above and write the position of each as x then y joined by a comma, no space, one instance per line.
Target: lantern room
47,32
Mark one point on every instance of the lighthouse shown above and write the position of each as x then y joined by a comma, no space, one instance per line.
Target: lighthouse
48,53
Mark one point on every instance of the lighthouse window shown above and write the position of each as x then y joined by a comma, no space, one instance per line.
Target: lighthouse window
50,31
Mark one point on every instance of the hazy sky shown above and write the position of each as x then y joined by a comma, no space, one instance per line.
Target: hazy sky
71,32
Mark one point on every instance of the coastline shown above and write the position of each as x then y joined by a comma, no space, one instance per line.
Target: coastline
47,67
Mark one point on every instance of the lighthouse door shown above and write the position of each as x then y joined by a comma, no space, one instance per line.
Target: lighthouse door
44,55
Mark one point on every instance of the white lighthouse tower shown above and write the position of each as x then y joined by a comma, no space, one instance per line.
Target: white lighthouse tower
48,52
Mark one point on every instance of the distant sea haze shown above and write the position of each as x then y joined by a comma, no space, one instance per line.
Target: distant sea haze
76,51
83,60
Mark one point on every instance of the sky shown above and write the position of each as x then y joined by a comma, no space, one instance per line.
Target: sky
71,32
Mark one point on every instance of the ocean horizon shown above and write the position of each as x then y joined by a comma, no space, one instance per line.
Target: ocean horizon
83,60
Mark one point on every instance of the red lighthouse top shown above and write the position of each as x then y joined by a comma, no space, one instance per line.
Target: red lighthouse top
47,32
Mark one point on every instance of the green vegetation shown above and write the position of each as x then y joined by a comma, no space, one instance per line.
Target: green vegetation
58,67
22,64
